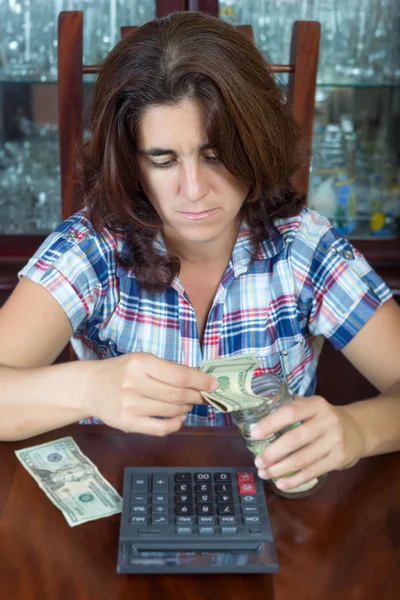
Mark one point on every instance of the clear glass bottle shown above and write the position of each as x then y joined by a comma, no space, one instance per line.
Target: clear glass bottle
332,178
276,393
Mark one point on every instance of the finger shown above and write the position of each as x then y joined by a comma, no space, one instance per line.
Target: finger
312,472
157,427
180,376
300,460
291,441
301,409
152,388
151,407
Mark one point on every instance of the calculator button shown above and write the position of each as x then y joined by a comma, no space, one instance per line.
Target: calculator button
250,509
159,509
202,477
140,483
139,509
206,530
183,487
203,487
183,498
245,477
226,509
162,520
228,530
248,500
138,520
205,509
252,520
138,498
255,531
224,499
204,498
159,499
222,477
184,520
182,530
222,488
247,488
182,477
160,483
206,520
227,520
184,509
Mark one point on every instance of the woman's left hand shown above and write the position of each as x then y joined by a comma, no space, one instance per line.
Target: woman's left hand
328,439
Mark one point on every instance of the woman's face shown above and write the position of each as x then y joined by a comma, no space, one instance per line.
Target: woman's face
196,197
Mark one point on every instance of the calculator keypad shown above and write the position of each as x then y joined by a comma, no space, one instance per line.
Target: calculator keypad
198,504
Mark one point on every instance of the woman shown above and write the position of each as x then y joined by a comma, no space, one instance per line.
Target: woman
193,245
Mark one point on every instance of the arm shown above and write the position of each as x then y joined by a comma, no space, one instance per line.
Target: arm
375,352
33,331
126,392
336,437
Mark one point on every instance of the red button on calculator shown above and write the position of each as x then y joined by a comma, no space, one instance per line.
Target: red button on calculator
245,477
247,488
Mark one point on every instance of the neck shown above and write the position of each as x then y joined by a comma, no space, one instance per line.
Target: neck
195,254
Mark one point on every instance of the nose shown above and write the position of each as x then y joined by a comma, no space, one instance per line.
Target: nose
194,185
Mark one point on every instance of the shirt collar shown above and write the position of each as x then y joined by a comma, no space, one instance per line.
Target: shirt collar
243,250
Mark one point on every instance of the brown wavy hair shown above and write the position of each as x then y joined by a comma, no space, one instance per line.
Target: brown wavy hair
188,55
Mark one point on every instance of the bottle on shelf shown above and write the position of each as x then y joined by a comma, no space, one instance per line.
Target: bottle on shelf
384,204
333,181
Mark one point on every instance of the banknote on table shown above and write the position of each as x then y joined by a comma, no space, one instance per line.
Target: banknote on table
234,375
71,481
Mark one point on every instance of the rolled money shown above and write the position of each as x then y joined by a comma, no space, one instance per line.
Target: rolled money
71,481
234,375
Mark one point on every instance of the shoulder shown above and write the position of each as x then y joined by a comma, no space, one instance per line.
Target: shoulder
77,237
306,231
77,251
78,230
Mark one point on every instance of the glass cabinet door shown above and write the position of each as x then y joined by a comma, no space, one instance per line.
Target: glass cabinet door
354,177
30,201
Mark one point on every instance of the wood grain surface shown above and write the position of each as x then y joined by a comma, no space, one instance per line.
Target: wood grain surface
342,543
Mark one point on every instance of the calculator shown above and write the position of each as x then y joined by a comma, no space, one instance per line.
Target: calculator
195,520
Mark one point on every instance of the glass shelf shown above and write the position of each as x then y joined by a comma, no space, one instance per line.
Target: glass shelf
371,84
91,79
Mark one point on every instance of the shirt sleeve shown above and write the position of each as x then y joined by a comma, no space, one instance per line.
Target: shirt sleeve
338,290
71,265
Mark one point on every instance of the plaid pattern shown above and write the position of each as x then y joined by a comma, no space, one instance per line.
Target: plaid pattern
306,283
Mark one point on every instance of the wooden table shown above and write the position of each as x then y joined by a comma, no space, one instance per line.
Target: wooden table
342,543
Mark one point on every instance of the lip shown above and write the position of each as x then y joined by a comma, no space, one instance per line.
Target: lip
199,215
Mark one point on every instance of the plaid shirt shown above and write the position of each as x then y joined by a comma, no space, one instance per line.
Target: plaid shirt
306,283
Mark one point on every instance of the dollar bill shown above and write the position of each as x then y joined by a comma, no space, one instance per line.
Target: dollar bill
234,375
71,481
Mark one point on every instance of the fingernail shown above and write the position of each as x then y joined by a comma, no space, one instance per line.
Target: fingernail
259,462
255,433
214,386
280,483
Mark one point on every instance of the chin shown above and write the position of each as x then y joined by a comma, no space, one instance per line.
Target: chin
199,238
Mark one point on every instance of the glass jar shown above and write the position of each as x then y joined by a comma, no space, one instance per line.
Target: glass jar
276,393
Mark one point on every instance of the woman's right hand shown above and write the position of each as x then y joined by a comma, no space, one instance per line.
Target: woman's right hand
128,391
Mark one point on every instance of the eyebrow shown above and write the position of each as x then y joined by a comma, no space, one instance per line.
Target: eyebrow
163,151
